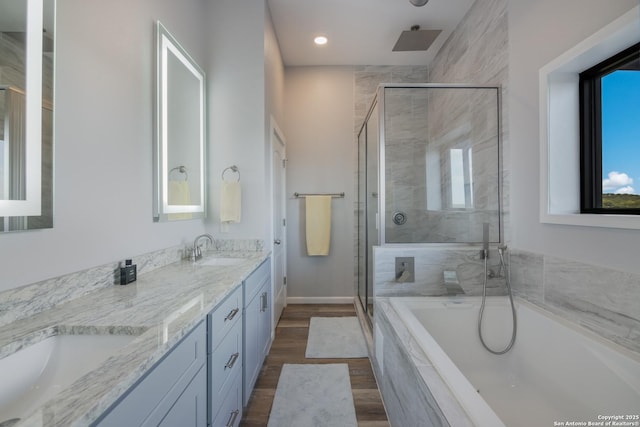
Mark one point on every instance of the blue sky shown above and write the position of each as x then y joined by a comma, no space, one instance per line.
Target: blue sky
621,132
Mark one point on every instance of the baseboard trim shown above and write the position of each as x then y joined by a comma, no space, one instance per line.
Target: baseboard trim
320,300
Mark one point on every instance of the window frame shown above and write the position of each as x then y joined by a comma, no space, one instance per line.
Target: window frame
590,111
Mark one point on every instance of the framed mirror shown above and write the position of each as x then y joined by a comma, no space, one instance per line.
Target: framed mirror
26,114
181,132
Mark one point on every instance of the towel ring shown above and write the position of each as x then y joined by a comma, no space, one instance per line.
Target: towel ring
233,168
181,169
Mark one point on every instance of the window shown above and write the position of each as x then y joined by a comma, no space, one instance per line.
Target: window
461,178
610,135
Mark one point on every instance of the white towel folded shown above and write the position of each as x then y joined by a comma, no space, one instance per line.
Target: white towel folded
230,202
179,194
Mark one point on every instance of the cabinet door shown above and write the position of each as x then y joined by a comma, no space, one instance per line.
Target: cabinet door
264,325
148,402
252,353
191,407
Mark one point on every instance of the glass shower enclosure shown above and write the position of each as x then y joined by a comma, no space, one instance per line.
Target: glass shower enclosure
429,170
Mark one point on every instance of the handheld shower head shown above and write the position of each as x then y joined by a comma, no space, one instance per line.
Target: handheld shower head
418,3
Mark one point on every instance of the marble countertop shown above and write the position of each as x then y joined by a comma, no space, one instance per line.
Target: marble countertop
159,309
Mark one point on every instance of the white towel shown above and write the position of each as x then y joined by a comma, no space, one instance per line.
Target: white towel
230,202
179,194
318,225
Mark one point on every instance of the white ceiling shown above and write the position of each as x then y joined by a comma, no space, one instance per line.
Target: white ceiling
360,32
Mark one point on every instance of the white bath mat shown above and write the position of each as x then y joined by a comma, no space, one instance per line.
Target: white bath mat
335,338
313,396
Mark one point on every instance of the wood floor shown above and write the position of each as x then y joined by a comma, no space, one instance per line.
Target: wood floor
289,346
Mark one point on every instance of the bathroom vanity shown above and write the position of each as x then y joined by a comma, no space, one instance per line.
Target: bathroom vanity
193,335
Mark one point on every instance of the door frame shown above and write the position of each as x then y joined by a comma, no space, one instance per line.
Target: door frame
278,140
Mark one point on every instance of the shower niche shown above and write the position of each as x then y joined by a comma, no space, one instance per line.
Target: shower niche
429,170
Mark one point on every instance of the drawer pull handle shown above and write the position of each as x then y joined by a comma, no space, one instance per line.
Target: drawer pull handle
263,302
232,418
232,314
232,361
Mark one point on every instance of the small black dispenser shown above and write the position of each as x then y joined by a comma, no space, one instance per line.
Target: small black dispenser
128,273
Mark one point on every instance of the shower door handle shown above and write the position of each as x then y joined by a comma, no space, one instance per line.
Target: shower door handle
277,241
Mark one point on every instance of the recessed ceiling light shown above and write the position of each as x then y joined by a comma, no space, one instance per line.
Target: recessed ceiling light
320,40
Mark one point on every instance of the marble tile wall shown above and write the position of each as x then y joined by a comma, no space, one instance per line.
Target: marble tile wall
600,299
366,81
477,53
25,301
430,264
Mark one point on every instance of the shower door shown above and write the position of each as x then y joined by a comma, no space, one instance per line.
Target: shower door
372,181
362,219
440,156
368,218
429,171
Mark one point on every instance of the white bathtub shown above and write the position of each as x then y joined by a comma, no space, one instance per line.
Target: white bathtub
555,373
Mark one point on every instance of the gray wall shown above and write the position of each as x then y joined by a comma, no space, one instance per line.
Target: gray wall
321,157
566,22
237,109
104,130
103,140
325,107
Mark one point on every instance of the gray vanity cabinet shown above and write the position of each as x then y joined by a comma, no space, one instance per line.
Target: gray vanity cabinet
173,392
225,361
257,324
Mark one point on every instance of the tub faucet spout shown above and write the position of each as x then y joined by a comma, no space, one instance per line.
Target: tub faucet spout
451,283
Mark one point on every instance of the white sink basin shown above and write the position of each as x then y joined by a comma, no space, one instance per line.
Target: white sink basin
35,374
222,261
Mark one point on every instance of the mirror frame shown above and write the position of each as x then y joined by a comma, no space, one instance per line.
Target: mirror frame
163,211
31,206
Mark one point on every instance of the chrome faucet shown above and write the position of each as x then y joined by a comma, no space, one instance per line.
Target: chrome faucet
196,252
502,269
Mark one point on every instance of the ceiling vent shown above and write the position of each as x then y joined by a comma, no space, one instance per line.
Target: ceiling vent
415,39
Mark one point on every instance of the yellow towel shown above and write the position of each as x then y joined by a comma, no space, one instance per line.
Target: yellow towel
230,202
318,225
179,194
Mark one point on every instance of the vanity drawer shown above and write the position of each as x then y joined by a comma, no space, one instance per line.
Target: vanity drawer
224,318
254,282
225,366
230,411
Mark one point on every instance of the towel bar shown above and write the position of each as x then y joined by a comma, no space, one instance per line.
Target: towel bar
335,195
